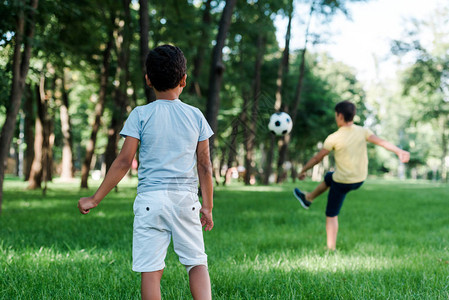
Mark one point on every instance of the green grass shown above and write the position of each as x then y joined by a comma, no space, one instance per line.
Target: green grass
393,244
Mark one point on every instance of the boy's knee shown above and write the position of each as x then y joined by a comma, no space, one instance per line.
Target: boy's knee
190,267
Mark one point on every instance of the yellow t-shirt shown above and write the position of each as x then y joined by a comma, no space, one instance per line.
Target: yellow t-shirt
351,158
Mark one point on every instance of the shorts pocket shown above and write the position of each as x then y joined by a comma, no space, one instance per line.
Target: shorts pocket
148,216
146,207
191,213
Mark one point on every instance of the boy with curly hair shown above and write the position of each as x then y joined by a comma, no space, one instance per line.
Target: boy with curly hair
173,155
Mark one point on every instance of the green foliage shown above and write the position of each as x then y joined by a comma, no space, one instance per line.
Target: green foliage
72,35
315,119
425,91
388,247
325,84
8,13
5,77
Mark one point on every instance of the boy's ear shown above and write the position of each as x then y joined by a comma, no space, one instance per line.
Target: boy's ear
183,81
148,81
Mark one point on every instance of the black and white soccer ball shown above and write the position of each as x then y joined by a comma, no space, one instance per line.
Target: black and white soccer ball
280,123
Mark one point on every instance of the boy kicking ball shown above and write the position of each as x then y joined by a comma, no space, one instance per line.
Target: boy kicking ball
351,159
174,141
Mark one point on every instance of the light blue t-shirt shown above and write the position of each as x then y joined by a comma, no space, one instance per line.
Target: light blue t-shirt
169,132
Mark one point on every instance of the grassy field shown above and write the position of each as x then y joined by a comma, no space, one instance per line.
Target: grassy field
393,244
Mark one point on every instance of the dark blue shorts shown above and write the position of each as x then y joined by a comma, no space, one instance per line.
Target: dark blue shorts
337,194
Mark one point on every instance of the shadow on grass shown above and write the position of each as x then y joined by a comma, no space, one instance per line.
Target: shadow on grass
31,220
263,246
391,280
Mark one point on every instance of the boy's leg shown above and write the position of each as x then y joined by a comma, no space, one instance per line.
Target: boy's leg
331,231
151,285
188,242
307,199
200,283
321,188
336,197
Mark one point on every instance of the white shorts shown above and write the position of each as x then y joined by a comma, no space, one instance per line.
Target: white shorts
159,216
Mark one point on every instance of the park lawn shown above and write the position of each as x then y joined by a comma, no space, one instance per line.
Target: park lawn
393,244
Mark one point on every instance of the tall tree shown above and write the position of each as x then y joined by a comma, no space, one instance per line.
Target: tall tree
202,47
28,108
67,168
122,45
217,69
297,98
426,82
39,170
24,34
251,126
144,23
99,109
282,70
328,9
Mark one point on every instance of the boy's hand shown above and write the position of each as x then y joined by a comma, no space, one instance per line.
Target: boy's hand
404,156
206,219
85,204
302,175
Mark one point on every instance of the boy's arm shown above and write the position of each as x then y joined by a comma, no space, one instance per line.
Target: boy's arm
118,169
404,156
313,161
204,167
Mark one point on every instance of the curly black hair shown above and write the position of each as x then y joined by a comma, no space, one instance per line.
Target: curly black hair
347,109
166,65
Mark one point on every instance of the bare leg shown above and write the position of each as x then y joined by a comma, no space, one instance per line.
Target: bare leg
151,285
332,230
321,188
200,283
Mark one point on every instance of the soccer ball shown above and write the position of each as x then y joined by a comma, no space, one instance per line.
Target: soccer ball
280,123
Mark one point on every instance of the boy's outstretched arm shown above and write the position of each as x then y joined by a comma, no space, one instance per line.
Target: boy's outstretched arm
204,167
118,169
313,161
404,156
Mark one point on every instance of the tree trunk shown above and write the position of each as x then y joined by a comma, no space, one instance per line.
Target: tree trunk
444,147
144,22
199,58
47,149
20,145
294,172
20,66
35,178
232,149
120,97
252,130
216,71
67,169
281,176
269,160
50,134
297,99
283,66
99,108
29,131
246,130
40,142
282,70
293,113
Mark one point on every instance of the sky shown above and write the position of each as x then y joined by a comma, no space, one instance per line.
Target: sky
357,42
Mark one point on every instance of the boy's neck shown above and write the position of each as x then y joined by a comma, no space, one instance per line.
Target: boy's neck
346,124
172,94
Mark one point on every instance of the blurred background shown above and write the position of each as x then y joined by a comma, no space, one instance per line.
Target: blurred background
71,71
